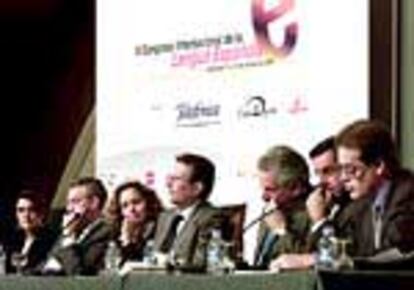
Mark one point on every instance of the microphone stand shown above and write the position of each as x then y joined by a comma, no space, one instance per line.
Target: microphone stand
265,213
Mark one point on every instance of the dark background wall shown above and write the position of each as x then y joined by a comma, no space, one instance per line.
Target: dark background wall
47,89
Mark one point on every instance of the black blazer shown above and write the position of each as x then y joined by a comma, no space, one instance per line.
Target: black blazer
37,253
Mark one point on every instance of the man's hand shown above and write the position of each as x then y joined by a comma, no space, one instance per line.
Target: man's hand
316,205
276,222
292,261
73,223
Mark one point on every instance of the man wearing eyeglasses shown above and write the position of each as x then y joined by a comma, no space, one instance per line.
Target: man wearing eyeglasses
382,192
183,231
85,234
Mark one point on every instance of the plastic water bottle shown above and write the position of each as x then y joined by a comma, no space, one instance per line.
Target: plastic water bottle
2,260
112,257
215,253
148,256
326,249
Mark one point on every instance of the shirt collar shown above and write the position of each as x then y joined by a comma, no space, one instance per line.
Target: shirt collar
186,212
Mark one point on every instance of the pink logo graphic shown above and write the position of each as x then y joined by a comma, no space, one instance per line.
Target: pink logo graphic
261,21
298,106
149,178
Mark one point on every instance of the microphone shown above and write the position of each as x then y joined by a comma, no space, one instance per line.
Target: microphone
269,210
70,218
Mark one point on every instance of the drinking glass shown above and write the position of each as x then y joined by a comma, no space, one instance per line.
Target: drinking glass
228,262
343,261
18,260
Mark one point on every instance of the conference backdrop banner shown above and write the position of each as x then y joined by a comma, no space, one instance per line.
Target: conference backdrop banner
226,79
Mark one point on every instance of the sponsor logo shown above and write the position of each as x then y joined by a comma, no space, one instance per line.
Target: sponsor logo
198,114
256,106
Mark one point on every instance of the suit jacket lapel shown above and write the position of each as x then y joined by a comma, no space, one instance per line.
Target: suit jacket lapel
188,229
90,230
165,225
367,230
388,205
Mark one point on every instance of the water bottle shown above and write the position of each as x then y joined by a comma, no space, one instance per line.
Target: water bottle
148,257
215,253
112,257
2,260
326,249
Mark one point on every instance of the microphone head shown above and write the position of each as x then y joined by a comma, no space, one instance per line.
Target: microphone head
270,207
70,217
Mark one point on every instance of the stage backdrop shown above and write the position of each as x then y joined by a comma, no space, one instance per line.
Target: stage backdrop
226,79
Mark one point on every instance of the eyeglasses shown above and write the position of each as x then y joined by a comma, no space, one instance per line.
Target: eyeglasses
173,177
352,170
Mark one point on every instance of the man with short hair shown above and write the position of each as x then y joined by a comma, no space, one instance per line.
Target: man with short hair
383,193
82,244
183,232
325,205
324,162
284,179
328,200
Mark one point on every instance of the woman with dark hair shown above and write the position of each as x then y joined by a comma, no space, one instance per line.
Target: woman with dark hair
136,209
29,245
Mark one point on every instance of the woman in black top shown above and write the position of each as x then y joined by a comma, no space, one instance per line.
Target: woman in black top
28,247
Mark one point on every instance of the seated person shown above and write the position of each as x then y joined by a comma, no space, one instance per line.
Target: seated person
382,211
324,205
183,232
328,200
29,245
284,179
137,208
380,216
81,246
318,215
324,161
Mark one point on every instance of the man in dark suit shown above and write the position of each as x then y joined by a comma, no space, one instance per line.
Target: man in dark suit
324,205
82,244
382,214
183,232
324,162
284,179
328,200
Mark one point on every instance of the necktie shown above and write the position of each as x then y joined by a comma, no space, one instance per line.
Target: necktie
377,227
172,233
265,251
